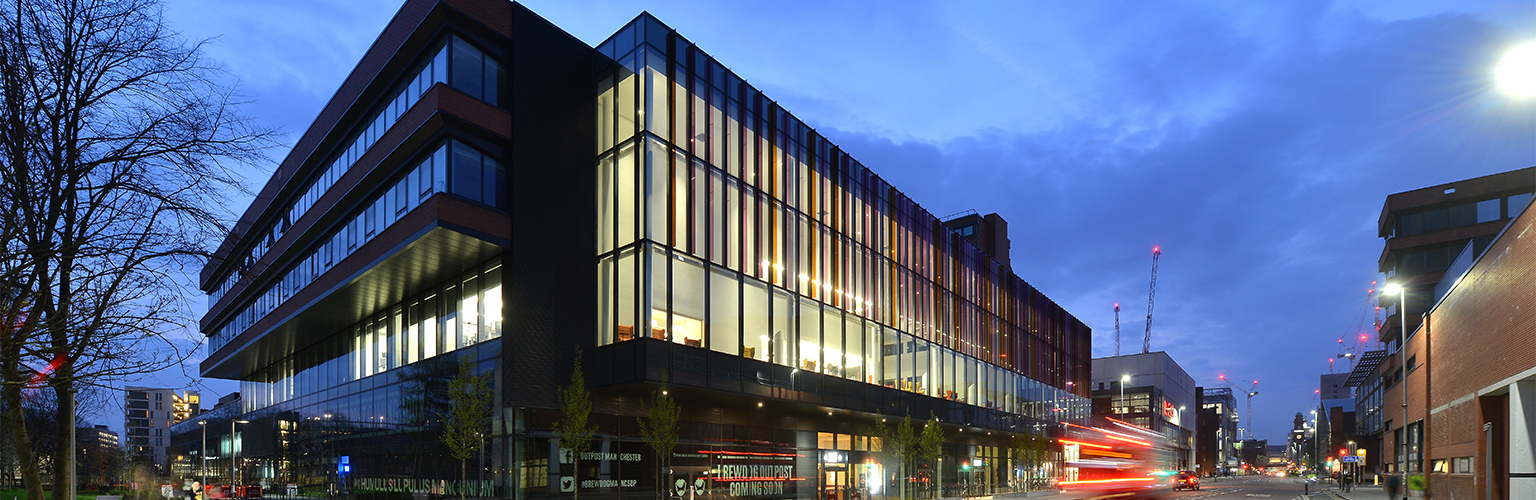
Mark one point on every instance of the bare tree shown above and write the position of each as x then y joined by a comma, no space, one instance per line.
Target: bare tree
575,427
112,130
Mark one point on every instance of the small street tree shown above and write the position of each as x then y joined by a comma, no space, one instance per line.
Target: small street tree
910,446
469,393
658,427
896,441
575,428
1029,452
930,441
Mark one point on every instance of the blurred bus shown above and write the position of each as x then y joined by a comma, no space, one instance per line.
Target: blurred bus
1122,460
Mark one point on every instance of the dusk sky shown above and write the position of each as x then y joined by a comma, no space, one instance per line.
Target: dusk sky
1254,142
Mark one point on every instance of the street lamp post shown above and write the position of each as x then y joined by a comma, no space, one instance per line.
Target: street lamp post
1182,441
204,454
1317,444
1070,391
1402,357
1123,407
234,454
1354,467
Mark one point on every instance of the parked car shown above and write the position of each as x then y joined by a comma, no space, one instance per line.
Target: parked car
1186,480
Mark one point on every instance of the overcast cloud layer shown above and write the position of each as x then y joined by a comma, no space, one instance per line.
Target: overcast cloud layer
1254,143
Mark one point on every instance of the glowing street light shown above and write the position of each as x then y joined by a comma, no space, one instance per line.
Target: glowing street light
234,454
1402,351
204,454
1123,380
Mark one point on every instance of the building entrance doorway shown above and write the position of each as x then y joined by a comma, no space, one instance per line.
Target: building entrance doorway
834,483
833,475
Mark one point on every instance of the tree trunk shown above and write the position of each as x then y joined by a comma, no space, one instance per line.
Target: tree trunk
463,474
25,460
64,420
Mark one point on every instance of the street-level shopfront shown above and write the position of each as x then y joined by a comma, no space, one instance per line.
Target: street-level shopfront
725,462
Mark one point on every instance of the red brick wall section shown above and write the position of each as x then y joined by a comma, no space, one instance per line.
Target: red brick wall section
494,14
1483,331
1480,334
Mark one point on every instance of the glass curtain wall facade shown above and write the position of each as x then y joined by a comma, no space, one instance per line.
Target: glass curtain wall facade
725,229
454,315
370,395
727,224
454,61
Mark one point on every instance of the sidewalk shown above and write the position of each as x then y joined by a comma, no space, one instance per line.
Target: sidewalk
1358,492
1018,495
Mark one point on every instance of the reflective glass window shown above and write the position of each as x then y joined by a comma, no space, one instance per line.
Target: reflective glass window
755,313
468,68
724,315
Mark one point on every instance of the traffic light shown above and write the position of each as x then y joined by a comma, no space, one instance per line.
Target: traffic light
1343,452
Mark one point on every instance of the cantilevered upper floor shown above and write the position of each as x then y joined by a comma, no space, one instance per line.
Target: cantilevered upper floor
401,182
1426,229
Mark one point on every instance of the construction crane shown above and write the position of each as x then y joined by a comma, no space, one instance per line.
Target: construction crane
1117,328
1251,392
1146,341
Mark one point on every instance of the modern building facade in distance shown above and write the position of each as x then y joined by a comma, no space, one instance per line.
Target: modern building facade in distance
1150,391
100,455
1332,387
150,413
485,185
1369,412
1216,445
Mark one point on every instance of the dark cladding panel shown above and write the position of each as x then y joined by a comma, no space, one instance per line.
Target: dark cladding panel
551,300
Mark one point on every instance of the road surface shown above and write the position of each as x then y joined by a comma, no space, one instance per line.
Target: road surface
1235,488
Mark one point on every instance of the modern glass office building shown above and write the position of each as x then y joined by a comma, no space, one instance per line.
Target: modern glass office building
484,184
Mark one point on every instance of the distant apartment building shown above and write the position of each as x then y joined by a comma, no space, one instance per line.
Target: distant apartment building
988,232
1216,446
1331,386
150,413
1254,453
98,447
